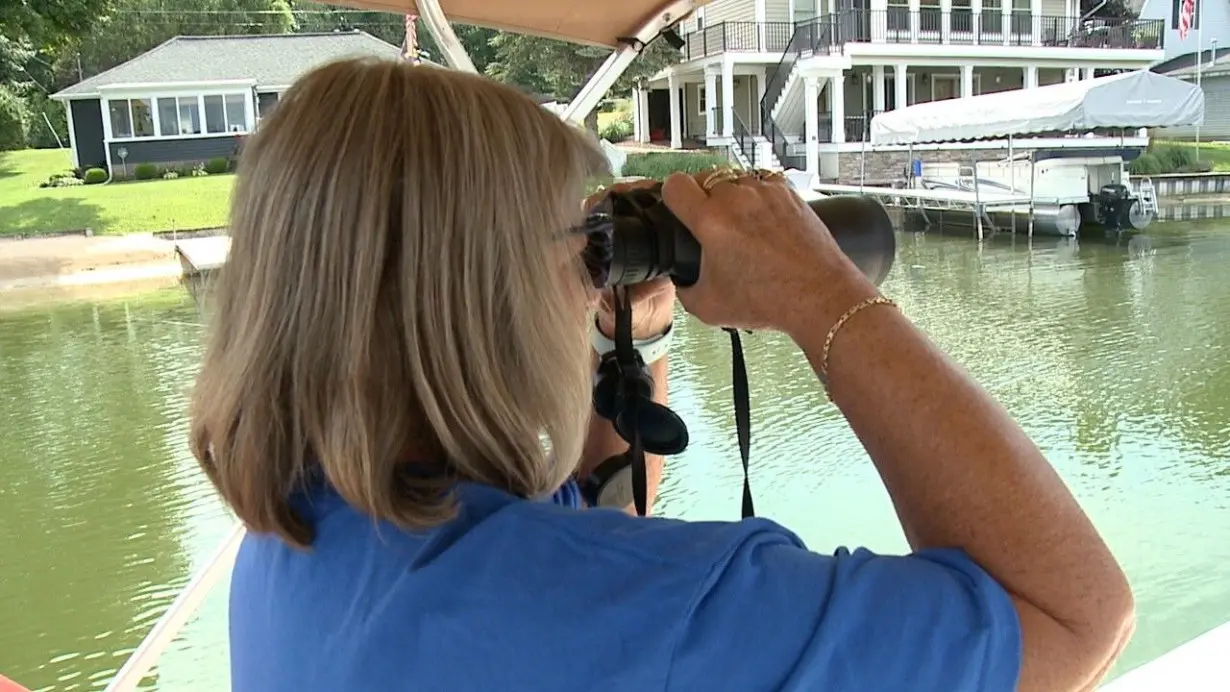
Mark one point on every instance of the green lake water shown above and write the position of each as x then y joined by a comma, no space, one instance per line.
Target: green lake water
1114,356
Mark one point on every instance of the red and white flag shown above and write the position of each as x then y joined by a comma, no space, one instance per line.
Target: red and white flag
410,45
1186,13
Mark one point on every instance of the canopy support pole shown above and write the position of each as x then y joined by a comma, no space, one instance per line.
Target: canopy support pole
618,62
1032,163
435,21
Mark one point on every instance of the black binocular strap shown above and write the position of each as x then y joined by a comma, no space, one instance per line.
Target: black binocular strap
743,415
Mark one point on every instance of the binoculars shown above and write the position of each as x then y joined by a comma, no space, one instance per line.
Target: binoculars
638,238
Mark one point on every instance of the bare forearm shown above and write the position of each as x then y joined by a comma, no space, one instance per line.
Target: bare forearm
962,473
603,442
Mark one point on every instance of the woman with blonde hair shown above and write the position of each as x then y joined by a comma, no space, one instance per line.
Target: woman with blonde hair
405,315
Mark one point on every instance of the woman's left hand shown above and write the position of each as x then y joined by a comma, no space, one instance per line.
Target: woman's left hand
653,302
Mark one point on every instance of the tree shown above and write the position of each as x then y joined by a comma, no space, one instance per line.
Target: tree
560,69
1112,9
14,119
136,26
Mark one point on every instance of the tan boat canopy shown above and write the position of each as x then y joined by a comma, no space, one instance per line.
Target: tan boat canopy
594,22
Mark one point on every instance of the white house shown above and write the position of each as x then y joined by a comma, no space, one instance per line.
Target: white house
795,82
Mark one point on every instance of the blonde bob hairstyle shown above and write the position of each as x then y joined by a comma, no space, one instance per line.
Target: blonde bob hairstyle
399,293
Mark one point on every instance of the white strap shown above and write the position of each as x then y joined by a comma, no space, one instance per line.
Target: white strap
651,350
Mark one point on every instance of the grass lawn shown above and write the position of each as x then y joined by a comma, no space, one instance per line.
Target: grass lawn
623,109
116,208
1216,153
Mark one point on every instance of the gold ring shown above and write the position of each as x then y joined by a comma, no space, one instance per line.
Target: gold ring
721,175
765,174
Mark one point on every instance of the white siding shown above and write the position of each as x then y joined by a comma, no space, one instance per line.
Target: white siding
730,11
1054,8
776,10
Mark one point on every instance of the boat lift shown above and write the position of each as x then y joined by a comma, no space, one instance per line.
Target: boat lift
1122,102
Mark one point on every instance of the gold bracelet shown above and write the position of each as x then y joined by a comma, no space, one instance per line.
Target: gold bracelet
828,340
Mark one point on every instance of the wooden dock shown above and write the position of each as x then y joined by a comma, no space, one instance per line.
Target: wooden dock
202,255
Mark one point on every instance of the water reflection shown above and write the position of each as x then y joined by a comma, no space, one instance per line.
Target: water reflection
1112,353
103,509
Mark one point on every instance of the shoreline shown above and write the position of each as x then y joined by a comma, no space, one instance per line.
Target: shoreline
66,267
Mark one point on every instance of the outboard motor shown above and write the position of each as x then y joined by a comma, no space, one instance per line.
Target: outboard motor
1114,206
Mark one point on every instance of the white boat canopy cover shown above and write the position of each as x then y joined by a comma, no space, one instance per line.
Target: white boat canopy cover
581,21
1130,100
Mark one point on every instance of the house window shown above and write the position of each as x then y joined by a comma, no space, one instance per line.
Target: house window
226,113
131,118
179,115
700,99
1176,7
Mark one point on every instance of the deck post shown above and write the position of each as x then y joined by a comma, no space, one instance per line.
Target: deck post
1032,163
1011,181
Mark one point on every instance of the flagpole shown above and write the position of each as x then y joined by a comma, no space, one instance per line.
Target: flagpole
1199,61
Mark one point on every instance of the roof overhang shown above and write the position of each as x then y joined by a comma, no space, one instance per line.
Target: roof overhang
580,21
115,90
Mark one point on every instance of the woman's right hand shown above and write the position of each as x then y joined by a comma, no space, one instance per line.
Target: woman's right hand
768,262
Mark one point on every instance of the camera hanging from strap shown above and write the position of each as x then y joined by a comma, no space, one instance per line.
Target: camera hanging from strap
623,395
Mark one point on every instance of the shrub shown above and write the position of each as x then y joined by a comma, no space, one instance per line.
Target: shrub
1173,157
216,166
94,176
198,170
145,171
58,180
660,166
170,175
618,130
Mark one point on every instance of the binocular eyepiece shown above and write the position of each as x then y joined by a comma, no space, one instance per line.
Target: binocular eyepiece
636,238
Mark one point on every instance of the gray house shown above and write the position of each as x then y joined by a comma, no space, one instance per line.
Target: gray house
1214,81
194,98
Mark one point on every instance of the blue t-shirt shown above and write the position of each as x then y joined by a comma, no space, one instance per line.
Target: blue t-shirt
543,596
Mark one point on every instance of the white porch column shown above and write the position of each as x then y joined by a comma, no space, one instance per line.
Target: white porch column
1035,13
1005,8
901,95
1031,77
967,81
1088,73
879,21
676,125
1071,74
711,94
877,88
644,108
638,128
837,97
728,97
912,6
946,20
811,123
761,21
975,8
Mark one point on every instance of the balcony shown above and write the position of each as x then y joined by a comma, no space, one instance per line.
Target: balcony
926,26
737,37
1015,28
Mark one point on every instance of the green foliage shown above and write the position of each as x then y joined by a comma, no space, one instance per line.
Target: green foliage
14,120
95,176
216,166
661,166
1146,164
1169,157
618,129
560,69
39,135
145,171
